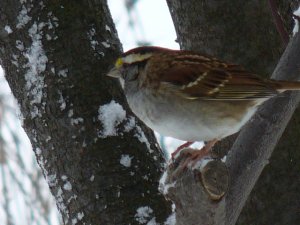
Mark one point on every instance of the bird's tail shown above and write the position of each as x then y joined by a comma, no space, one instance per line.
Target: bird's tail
283,85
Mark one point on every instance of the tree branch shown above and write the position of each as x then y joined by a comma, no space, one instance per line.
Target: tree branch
279,22
197,193
252,150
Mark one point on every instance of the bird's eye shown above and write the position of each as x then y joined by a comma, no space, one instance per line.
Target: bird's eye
130,72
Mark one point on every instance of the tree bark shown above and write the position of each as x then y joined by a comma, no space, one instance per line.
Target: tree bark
244,33
55,55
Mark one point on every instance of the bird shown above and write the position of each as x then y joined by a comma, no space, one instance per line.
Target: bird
192,96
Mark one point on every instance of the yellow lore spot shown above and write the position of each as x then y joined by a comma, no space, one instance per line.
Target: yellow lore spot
119,63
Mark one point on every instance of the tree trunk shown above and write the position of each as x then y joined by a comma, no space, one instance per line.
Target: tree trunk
101,163
243,32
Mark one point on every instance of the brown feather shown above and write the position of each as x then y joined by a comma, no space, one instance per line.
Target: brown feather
201,77
196,76
282,85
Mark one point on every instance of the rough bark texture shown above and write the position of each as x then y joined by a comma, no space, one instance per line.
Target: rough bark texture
197,194
55,57
252,150
243,32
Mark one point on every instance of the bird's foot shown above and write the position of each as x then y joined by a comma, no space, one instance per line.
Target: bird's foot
176,153
189,157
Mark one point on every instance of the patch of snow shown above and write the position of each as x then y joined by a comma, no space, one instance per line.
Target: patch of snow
51,180
42,164
48,139
68,186
70,113
15,59
50,27
105,44
92,178
36,65
91,36
34,112
20,45
34,134
74,221
110,115
60,202
131,124
113,114
171,220
202,163
38,151
163,185
107,28
42,4
126,160
224,159
163,178
23,17
142,138
94,43
76,121
63,73
143,214
139,134
80,215
61,101
48,37
152,222
73,197
8,29
55,21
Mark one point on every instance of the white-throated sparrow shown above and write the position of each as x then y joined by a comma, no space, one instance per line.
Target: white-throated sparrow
190,96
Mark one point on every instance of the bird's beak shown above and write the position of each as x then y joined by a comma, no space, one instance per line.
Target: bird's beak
114,72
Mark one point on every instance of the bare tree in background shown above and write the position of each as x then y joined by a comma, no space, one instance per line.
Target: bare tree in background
24,193
56,54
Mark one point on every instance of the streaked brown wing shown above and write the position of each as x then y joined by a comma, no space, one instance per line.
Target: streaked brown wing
196,77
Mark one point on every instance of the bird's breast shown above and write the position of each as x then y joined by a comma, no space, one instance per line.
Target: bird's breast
190,120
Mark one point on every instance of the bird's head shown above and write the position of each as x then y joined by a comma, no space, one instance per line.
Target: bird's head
129,65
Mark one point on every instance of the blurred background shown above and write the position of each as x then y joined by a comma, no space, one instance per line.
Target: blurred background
24,194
